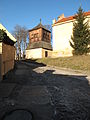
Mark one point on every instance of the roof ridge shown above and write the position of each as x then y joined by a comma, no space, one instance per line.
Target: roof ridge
70,18
8,33
40,25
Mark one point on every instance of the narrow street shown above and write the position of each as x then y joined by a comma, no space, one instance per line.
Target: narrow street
48,93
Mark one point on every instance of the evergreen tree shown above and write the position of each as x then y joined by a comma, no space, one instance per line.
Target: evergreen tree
2,35
81,34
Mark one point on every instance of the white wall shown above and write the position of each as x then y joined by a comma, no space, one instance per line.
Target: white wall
0,48
0,61
34,53
61,36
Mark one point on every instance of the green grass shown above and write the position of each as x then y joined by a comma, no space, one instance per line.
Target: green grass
74,62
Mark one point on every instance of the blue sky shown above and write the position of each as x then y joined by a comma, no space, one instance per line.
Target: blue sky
28,12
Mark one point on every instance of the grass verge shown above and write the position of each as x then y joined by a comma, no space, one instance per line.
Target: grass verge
74,62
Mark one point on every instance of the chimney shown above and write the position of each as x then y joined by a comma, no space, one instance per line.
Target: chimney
61,17
54,21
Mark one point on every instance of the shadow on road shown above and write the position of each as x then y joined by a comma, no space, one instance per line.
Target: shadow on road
69,95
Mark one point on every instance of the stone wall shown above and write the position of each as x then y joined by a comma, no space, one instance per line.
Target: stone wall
62,53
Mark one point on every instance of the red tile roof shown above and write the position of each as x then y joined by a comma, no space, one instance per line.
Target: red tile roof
70,18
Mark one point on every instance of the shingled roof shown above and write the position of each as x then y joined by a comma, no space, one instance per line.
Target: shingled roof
40,44
39,26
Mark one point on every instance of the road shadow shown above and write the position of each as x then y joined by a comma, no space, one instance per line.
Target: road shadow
34,62
70,94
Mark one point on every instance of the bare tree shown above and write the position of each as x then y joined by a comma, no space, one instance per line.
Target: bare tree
20,33
49,27
24,40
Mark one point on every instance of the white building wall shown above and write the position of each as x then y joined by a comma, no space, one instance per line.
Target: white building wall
61,36
0,61
34,53
0,48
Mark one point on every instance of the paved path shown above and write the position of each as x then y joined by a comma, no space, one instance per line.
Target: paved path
49,93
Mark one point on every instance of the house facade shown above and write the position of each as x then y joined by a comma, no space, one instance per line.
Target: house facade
61,33
7,53
39,43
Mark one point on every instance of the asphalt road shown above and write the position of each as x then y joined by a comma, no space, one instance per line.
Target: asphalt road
48,93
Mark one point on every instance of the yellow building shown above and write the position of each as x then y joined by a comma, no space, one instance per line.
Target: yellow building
7,53
61,32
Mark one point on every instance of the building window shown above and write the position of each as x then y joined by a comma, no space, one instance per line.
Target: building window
35,35
46,53
32,36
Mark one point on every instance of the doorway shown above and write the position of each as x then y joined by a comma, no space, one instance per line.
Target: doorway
46,53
